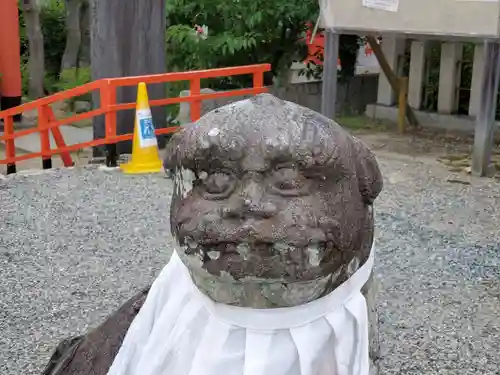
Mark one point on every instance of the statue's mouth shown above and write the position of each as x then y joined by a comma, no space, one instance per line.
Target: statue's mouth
266,254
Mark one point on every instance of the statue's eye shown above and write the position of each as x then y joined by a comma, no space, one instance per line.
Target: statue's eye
289,181
218,185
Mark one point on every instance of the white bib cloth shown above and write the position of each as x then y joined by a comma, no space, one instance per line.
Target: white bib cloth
180,331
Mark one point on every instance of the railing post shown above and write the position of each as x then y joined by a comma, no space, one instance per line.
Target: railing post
43,129
108,98
58,138
195,89
258,79
10,148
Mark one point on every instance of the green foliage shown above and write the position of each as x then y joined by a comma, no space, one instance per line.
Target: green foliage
53,21
71,78
24,76
24,53
240,32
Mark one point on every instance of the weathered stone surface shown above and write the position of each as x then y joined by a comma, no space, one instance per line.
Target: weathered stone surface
94,353
272,202
184,116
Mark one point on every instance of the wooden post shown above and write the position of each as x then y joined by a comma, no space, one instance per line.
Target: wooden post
402,102
485,120
330,63
391,77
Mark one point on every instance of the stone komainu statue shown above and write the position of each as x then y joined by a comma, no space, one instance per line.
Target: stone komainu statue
272,214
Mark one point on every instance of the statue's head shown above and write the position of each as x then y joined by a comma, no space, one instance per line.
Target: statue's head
272,202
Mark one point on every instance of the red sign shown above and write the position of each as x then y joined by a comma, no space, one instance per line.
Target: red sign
315,47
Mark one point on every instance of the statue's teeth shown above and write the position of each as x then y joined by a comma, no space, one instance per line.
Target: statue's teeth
192,244
213,255
280,247
243,249
313,253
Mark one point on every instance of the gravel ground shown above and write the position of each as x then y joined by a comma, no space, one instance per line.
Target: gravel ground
75,244
439,270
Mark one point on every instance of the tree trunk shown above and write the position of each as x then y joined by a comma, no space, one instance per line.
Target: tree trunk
84,54
127,39
36,62
73,34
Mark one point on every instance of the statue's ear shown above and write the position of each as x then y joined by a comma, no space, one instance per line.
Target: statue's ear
370,180
171,152
180,146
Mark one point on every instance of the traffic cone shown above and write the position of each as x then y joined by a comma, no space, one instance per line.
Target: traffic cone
145,156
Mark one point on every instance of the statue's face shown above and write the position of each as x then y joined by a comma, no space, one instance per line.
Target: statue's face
269,192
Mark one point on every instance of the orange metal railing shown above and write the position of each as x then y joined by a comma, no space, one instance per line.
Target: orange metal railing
47,122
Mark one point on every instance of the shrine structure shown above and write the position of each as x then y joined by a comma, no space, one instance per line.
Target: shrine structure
450,22
10,56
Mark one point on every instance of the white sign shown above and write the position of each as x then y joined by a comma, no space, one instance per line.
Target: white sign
388,5
147,137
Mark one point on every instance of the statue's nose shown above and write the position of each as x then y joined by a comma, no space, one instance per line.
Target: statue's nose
251,201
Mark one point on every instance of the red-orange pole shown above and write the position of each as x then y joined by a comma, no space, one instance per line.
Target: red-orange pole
10,56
